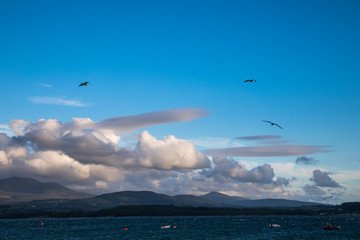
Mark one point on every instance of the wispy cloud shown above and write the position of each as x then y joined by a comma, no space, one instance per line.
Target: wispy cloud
267,151
45,85
129,123
213,142
276,148
264,139
4,128
259,138
57,101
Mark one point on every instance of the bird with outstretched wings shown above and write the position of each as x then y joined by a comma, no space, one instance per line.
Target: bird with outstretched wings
325,198
273,124
83,84
250,80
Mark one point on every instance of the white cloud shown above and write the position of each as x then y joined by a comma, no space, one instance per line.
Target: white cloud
19,125
3,158
54,164
169,153
86,155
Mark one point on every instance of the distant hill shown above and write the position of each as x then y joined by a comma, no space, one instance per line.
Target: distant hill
17,189
25,197
213,199
240,202
152,198
191,200
35,195
223,198
137,198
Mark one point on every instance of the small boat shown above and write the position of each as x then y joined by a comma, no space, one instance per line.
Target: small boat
328,226
165,226
274,225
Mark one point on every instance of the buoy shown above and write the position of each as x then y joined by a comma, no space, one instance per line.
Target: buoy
126,229
174,226
42,224
274,225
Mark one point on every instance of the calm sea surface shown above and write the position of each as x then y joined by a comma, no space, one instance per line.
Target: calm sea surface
254,227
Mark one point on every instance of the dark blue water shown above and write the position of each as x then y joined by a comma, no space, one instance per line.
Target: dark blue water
293,227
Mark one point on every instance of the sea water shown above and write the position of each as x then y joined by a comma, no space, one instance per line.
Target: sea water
238,227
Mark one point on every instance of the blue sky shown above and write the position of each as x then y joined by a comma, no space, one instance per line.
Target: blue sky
156,60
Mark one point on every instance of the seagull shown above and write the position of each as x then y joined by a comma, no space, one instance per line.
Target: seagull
250,80
84,84
324,198
272,124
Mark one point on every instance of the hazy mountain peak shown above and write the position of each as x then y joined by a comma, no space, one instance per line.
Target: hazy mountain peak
214,193
223,198
27,189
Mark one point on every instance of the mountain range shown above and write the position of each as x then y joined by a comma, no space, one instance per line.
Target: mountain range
32,194
17,189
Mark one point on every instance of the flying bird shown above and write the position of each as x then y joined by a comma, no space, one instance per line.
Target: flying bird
324,198
272,124
250,80
84,84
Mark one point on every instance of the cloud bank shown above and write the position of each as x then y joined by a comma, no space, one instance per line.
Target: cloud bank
85,155
225,169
